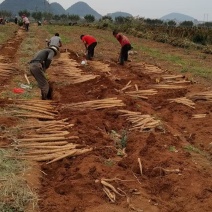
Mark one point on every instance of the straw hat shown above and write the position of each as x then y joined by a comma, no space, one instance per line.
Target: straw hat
56,51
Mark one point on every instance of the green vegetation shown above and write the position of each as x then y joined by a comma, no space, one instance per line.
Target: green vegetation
172,149
50,29
120,141
109,162
27,49
191,148
27,94
195,67
89,18
15,194
7,32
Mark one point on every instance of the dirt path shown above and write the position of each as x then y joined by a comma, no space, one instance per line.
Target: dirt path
139,119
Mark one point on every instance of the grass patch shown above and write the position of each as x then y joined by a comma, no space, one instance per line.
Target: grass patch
7,32
190,148
62,32
109,162
193,67
27,49
11,95
173,149
120,141
15,193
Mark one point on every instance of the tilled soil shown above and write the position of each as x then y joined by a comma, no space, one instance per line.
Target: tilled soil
175,155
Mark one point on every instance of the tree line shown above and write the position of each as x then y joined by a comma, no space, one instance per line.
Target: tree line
38,16
156,29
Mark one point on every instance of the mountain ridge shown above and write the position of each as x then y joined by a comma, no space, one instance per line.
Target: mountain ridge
179,17
80,8
83,9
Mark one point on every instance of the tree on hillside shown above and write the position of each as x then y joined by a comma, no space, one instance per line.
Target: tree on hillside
47,16
89,18
187,24
206,24
107,18
56,17
37,16
24,12
155,22
5,14
119,20
171,23
74,17
63,17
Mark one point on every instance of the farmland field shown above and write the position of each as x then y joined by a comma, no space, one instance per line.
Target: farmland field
133,138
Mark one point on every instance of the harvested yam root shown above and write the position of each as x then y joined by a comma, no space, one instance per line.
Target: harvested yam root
95,104
110,190
183,100
141,122
206,95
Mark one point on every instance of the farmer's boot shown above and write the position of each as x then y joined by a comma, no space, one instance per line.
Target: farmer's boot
49,95
43,96
121,60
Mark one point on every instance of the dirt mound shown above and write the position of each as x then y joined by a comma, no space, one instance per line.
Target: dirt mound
172,174
148,129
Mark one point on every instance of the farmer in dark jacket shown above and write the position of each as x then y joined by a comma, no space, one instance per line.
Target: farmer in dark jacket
125,46
90,44
38,65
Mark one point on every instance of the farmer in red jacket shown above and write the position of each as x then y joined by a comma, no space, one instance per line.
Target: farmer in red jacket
90,44
125,46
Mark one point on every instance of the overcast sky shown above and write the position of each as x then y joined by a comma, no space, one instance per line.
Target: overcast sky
198,9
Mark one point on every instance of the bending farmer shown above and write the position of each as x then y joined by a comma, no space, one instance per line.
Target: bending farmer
125,46
38,65
90,44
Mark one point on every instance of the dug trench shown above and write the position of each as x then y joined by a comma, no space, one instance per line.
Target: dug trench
8,59
132,137
171,177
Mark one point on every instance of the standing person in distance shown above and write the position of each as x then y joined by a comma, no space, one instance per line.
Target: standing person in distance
90,44
125,46
55,41
25,22
16,20
38,65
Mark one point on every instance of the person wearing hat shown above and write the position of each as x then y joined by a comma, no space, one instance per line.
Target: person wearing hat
90,44
38,65
55,41
125,46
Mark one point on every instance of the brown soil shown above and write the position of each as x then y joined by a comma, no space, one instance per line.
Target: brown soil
175,176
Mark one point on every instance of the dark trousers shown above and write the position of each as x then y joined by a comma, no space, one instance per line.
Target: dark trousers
36,70
27,27
90,52
124,53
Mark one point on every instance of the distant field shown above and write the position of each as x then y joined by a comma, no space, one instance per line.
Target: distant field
178,59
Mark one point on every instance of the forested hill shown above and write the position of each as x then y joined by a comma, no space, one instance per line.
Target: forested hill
80,8
14,6
177,17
